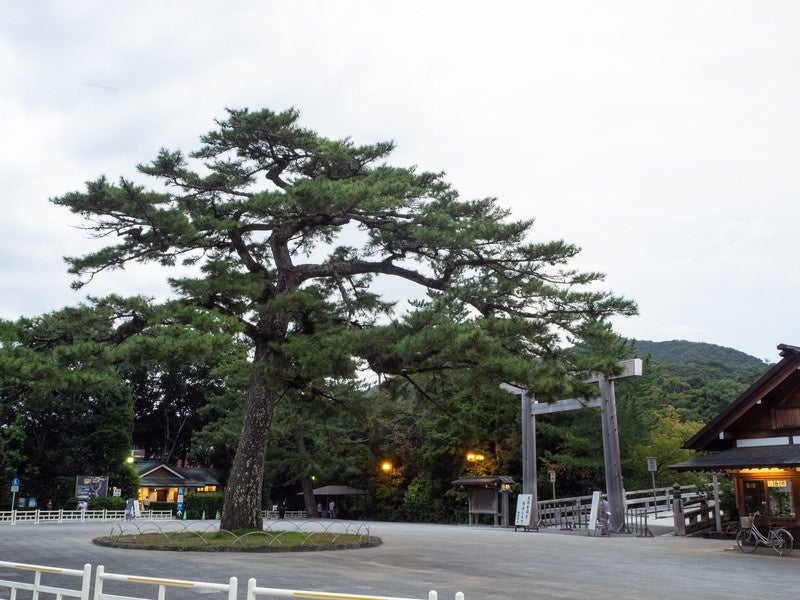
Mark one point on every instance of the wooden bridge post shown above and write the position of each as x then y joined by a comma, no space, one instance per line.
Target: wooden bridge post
679,520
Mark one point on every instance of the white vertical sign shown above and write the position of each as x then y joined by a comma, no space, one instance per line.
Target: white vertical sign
595,510
524,512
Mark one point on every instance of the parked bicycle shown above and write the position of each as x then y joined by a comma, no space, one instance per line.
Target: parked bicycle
749,537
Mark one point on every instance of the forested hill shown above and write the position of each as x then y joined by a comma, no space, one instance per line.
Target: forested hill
697,378
681,352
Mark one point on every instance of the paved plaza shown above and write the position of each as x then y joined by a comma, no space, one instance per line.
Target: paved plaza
483,562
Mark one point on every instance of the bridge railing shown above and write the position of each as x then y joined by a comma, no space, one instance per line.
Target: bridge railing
573,512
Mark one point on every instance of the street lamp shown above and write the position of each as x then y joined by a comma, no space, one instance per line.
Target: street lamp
391,473
475,457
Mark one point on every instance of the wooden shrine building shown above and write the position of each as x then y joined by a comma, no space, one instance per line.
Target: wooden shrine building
488,495
756,438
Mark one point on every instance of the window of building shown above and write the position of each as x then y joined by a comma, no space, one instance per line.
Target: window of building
780,498
770,497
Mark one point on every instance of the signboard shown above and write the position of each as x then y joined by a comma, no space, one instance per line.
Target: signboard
524,512
15,485
88,487
652,466
552,476
594,512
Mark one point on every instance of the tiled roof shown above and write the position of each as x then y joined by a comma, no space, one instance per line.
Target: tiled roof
154,474
743,458
488,480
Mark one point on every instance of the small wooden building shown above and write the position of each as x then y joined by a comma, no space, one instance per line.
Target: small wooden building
488,495
159,482
756,438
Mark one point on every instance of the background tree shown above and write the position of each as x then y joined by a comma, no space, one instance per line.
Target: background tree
69,381
67,412
291,232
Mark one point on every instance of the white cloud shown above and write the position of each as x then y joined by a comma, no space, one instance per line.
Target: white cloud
660,137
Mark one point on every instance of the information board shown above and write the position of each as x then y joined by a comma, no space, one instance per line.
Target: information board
524,512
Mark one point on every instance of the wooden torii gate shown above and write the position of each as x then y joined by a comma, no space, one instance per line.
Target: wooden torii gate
611,456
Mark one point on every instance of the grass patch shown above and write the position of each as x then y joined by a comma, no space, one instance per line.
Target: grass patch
242,541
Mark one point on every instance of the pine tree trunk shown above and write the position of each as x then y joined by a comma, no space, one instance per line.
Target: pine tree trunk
242,509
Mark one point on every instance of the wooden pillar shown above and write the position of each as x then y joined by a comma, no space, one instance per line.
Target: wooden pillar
529,454
611,455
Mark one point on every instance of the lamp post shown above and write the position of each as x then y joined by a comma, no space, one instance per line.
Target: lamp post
475,457
390,471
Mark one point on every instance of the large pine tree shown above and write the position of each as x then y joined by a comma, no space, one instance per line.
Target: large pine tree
293,232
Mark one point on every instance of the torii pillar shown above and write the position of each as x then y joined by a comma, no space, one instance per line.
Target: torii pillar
611,455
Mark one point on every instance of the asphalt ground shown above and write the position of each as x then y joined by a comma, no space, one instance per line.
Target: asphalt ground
481,561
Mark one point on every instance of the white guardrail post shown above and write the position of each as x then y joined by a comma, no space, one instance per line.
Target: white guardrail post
38,587
101,576
231,588
253,591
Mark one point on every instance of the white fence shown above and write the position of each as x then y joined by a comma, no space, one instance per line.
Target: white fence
37,587
289,514
253,591
161,586
65,516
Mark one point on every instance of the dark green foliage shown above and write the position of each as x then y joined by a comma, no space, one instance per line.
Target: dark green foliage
71,380
67,412
197,505
698,379
681,352
104,503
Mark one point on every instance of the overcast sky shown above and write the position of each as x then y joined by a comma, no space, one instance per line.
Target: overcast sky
661,137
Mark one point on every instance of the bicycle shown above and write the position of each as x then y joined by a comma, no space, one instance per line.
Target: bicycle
749,537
